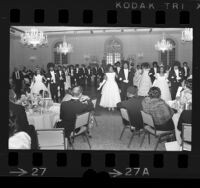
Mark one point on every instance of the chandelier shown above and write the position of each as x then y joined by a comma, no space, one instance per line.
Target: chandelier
187,35
65,47
163,45
34,38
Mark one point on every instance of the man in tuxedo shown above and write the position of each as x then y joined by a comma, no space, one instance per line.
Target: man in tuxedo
132,71
125,80
133,106
175,77
22,121
77,75
69,109
95,74
17,78
82,75
72,75
117,71
100,73
52,78
61,81
153,71
186,71
88,73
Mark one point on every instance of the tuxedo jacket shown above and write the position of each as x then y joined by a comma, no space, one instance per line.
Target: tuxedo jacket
188,72
81,73
100,71
15,78
173,78
50,79
88,73
122,78
71,72
152,73
62,77
94,71
68,112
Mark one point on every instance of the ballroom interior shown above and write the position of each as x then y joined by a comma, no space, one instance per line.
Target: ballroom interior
94,45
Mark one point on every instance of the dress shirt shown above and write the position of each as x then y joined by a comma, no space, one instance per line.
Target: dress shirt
126,74
118,69
185,68
155,70
177,73
53,76
17,75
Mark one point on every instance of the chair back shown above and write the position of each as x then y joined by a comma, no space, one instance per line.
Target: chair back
94,101
147,119
124,114
51,139
82,119
186,132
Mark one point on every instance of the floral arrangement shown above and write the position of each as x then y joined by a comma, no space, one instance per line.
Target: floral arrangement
34,102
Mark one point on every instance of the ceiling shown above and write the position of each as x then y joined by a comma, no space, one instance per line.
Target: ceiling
17,30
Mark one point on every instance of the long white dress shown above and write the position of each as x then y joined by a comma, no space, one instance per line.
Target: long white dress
38,85
137,77
68,80
145,83
110,94
162,83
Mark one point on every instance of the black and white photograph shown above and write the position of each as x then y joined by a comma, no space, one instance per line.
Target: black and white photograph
100,88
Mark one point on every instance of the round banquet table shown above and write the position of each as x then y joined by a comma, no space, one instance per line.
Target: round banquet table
45,120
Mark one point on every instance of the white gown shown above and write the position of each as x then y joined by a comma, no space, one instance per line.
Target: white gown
38,85
110,94
68,81
162,83
145,83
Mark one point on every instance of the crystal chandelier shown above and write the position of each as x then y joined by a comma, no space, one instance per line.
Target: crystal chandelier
34,38
163,45
65,47
187,35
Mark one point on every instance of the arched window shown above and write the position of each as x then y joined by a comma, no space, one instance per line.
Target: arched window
58,57
113,51
168,57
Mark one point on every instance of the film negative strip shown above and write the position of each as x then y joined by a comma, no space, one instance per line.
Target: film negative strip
102,33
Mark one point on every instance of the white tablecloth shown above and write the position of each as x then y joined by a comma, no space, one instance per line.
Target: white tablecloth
46,120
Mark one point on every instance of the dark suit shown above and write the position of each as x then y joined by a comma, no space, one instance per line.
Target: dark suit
117,71
23,124
95,73
68,112
134,107
61,83
152,73
101,74
53,85
72,76
186,73
77,75
17,81
174,82
123,84
88,73
82,76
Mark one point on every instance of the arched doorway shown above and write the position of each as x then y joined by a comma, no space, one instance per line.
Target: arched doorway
113,51
58,57
168,57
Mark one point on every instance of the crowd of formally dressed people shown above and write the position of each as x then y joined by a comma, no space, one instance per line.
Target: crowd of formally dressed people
122,86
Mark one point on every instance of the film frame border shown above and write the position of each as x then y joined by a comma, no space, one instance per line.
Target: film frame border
182,163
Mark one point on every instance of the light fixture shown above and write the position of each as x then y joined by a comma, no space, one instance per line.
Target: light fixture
65,47
34,38
163,45
187,35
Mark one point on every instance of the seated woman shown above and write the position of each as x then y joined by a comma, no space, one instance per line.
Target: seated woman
17,139
159,110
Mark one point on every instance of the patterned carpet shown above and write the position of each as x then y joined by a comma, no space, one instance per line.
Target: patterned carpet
106,135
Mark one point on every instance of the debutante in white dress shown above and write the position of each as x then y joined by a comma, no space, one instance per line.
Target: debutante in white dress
145,83
110,94
137,77
68,80
37,85
161,82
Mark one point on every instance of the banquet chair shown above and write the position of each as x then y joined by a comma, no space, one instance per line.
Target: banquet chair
94,101
125,116
186,136
150,129
51,139
81,124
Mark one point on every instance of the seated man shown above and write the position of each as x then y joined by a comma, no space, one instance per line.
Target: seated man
133,106
69,109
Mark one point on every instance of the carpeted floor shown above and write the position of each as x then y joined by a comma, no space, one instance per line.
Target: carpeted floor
106,135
